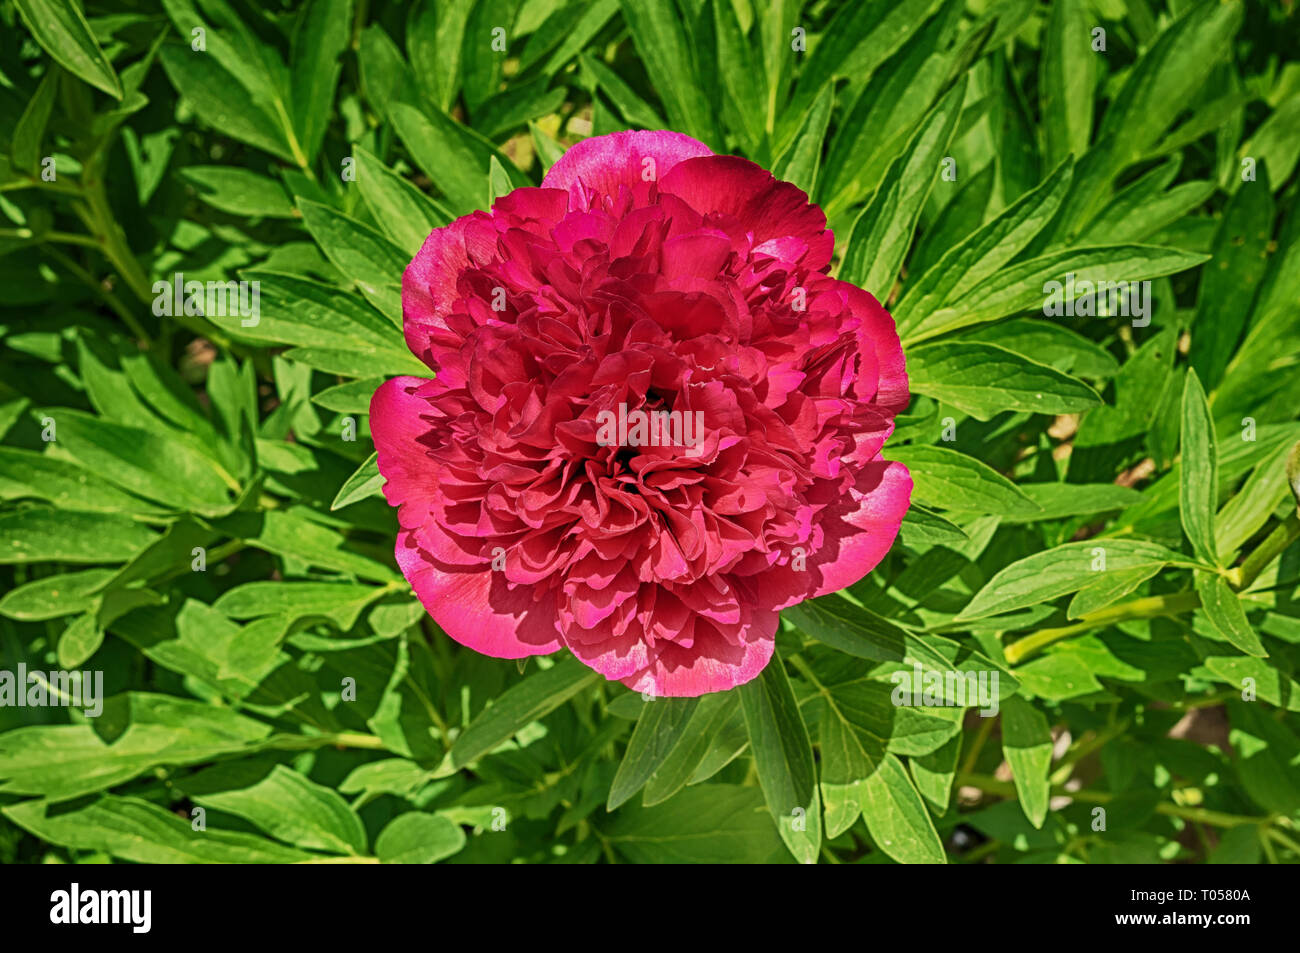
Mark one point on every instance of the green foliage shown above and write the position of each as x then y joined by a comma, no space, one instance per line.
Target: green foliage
1104,526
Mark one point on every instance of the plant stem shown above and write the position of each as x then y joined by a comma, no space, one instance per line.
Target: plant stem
977,745
351,739
1273,546
110,299
1240,578
1147,607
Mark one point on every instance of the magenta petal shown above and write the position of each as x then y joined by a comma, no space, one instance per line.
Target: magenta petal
396,425
472,603
711,664
603,164
477,608
766,207
429,284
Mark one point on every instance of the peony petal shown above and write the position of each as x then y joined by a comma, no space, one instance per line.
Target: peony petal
396,425
430,283
477,608
859,528
604,164
879,332
764,206
711,664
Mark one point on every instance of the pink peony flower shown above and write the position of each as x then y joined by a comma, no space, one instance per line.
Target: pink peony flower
549,491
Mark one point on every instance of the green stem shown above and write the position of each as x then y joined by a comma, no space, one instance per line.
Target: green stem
350,739
977,745
1148,607
1273,546
110,299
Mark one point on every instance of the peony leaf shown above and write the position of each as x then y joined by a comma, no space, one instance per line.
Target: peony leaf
984,380
61,28
662,725
783,756
1027,746
1199,477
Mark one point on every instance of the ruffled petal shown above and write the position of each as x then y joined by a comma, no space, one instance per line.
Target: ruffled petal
477,607
603,165
712,663
784,224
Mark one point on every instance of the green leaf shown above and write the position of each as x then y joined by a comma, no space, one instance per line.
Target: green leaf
1231,279
144,462
858,38
951,480
298,311
435,36
661,41
983,252
984,380
293,809
80,640
1059,500
897,818
366,482
708,824
418,838
25,474
454,157
59,762
362,254
61,29
1050,344
1065,82
1028,285
934,773
39,533
144,833
51,597
25,150
863,634
634,109
1252,505
498,181
662,724
1047,575
706,723
1199,480
519,706
883,232
1027,746
319,38
341,602
743,105
801,159
402,210
239,191
350,398
783,756
222,101
1268,757
1223,609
